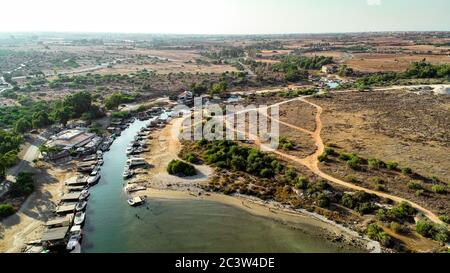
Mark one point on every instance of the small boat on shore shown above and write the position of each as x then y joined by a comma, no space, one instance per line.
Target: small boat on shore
81,206
134,188
136,201
79,218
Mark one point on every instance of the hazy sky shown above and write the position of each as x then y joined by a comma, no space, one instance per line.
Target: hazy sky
224,16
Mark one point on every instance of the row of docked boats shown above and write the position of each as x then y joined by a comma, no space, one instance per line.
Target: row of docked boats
136,147
73,205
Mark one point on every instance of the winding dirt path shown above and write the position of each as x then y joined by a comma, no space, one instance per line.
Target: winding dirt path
312,162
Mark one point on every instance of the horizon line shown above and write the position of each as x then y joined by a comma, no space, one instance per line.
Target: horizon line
217,34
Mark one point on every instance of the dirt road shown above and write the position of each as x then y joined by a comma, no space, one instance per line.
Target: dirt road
312,162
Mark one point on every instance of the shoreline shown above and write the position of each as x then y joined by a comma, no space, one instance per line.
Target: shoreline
165,146
310,223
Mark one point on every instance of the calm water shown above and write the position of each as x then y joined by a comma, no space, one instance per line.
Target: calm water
179,225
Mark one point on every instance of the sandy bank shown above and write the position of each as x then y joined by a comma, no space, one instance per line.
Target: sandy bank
306,222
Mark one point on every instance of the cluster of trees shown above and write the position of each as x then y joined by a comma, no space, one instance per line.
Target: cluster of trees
440,233
229,155
9,147
38,114
360,202
292,62
117,98
226,53
286,144
180,168
402,212
218,88
418,70
294,67
298,92
376,233
81,81
345,71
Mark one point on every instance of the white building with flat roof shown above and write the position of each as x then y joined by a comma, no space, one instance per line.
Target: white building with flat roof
72,138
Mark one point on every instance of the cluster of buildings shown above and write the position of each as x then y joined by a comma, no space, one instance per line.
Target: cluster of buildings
75,142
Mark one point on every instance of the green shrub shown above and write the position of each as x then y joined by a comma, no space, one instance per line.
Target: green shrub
286,144
414,185
398,228
380,187
323,157
407,171
377,180
6,210
400,213
192,158
354,162
375,163
322,200
366,208
330,151
266,172
177,167
424,228
419,193
445,218
438,189
441,234
390,165
302,183
344,156
350,178
291,173
377,233
347,201
317,186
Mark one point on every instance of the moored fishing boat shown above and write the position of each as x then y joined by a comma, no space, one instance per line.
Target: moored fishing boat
136,201
81,206
79,218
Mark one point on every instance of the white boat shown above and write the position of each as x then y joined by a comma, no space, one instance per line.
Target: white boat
73,241
136,162
127,174
79,218
81,206
135,201
93,179
75,237
76,230
96,170
84,194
